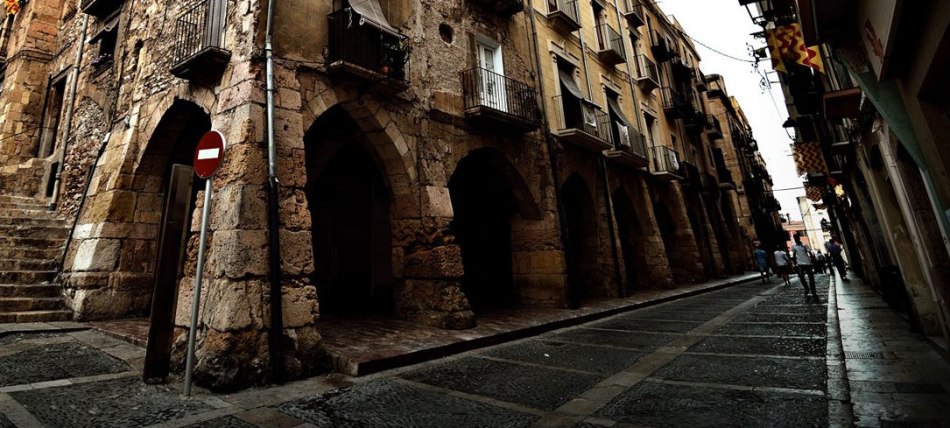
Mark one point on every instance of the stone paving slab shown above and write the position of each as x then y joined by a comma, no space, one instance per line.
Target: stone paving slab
58,361
5,423
664,405
749,371
121,402
646,325
600,360
384,403
775,318
792,347
223,422
532,386
625,339
776,329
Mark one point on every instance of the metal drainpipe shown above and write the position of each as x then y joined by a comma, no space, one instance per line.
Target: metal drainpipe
273,218
603,171
548,139
69,113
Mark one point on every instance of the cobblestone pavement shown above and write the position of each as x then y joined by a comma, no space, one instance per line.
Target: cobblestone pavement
749,355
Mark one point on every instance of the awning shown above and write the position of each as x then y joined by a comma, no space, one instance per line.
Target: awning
108,27
371,14
568,81
614,107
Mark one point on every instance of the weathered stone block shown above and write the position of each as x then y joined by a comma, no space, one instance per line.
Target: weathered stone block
439,262
238,254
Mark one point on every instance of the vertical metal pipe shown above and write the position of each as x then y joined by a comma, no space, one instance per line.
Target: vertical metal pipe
196,297
546,130
273,218
69,113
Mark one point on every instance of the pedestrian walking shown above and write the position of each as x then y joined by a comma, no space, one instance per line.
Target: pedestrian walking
822,262
834,251
803,265
782,263
762,260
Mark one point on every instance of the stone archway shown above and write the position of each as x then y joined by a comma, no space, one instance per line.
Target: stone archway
585,279
350,201
492,208
168,194
631,235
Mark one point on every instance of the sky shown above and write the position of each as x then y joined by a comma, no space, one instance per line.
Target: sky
726,27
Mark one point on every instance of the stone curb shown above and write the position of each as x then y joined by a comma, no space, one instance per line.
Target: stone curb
415,357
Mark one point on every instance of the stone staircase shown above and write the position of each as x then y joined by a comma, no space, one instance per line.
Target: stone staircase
31,244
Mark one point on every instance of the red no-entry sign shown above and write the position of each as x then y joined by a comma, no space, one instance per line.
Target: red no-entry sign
209,154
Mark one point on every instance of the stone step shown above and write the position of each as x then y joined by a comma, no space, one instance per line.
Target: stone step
36,316
24,304
47,231
30,290
27,276
16,242
19,200
22,221
28,264
51,253
28,211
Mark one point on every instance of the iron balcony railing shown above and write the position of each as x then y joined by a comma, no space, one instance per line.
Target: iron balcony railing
649,74
664,160
375,52
630,140
713,126
610,40
662,51
674,101
564,10
487,89
200,28
582,115
691,175
633,14
99,8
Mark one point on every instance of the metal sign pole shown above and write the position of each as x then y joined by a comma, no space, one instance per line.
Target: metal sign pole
205,213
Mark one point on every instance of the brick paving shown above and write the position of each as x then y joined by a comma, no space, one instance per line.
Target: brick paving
747,355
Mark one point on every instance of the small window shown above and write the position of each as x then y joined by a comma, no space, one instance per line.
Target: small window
105,41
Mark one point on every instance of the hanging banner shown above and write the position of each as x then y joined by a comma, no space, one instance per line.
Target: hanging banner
808,158
773,42
791,45
814,193
11,7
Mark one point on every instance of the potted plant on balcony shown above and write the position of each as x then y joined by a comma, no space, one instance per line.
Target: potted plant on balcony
395,56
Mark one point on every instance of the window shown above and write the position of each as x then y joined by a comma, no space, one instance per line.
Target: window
599,21
52,113
621,127
105,40
571,98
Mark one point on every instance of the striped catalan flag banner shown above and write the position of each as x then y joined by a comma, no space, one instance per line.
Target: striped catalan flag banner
778,63
791,43
11,7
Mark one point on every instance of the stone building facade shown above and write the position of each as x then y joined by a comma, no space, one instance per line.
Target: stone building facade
433,160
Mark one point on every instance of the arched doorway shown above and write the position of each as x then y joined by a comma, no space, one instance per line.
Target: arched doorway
483,203
349,206
166,168
582,243
631,235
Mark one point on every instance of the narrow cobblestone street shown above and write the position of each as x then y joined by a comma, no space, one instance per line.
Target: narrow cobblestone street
749,355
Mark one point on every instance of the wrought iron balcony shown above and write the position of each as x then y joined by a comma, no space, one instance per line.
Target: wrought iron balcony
563,15
681,68
675,105
633,13
100,8
660,46
610,46
582,123
691,175
503,7
493,99
629,147
199,34
368,53
648,76
664,164
711,183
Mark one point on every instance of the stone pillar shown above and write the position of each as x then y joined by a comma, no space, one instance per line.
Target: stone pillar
685,262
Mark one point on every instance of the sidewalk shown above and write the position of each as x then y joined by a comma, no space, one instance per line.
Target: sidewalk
896,377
